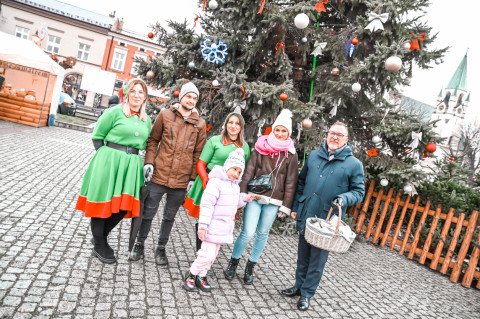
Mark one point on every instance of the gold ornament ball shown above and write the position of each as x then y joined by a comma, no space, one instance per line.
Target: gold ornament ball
335,71
150,74
393,64
307,123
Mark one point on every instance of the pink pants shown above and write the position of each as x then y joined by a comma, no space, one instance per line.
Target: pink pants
205,258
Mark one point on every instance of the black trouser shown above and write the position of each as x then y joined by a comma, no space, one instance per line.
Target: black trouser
175,198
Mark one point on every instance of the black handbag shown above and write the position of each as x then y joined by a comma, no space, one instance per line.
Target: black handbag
262,183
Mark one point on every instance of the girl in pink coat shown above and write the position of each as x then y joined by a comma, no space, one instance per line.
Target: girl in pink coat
218,206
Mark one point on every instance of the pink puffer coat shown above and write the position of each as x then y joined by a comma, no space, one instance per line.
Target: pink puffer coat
218,206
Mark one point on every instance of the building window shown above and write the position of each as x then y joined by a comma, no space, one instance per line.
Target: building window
53,44
83,51
136,64
118,62
21,32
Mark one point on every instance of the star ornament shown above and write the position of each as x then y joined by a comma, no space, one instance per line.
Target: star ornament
319,46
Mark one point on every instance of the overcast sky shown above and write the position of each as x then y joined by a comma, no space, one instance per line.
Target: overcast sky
455,21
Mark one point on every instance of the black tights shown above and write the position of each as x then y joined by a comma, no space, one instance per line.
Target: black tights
198,241
101,227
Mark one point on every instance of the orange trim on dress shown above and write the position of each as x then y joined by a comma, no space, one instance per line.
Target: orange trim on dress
193,210
227,141
125,202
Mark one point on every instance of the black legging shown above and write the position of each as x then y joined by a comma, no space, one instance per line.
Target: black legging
101,227
198,241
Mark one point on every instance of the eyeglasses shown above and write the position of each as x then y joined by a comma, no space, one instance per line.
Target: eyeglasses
334,134
133,93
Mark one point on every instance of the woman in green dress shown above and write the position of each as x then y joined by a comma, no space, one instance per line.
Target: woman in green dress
111,186
215,152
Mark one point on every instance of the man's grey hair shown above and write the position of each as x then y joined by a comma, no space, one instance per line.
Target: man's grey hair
340,124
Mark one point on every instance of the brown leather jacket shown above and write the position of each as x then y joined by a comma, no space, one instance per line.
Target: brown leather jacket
174,147
284,183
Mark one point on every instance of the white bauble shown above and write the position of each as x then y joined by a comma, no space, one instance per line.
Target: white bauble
191,64
301,21
393,64
215,83
304,39
213,4
376,139
260,102
356,87
384,182
407,189
170,32
213,46
406,46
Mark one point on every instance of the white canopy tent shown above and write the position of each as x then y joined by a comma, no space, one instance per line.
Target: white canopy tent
24,62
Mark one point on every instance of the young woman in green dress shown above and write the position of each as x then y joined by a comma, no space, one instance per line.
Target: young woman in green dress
111,185
215,152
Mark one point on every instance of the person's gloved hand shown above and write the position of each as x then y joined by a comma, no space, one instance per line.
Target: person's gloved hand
202,233
189,186
147,172
98,143
337,201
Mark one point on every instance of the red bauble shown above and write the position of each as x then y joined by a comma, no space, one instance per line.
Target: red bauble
176,93
354,41
283,96
431,147
150,35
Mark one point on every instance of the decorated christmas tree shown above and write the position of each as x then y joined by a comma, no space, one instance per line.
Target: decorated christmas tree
326,61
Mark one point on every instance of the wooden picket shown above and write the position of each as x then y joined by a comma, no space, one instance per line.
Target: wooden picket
378,208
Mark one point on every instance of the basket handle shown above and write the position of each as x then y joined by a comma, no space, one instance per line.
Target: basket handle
339,217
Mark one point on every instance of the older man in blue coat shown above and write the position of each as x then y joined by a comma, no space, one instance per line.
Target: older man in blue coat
331,176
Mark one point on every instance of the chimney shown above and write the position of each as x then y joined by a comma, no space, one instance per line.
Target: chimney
112,15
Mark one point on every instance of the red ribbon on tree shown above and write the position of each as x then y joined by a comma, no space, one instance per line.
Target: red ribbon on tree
243,91
320,6
414,44
204,5
261,8
195,22
280,45
372,152
208,127
268,130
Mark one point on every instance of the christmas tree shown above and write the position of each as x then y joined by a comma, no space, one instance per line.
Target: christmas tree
326,61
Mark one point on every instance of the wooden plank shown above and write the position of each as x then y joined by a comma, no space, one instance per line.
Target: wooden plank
18,121
467,239
366,202
386,205
371,222
428,241
443,237
400,221
409,226
472,264
391,219
453,244
419,229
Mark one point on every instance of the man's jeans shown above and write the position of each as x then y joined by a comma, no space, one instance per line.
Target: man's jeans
175,198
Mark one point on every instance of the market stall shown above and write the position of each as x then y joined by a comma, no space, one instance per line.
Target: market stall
32,82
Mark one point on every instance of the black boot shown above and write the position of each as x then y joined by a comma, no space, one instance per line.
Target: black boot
101,249
161,256
137,252
198,242
231,269
248,278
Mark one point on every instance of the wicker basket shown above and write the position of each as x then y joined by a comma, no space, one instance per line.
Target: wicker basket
337,243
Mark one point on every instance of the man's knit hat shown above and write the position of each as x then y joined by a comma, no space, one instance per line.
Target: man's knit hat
187,88
235,159
284,119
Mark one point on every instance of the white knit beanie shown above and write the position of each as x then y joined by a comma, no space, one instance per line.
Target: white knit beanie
187,88
235,159
284,119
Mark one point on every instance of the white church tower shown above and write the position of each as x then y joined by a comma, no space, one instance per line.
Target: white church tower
452,103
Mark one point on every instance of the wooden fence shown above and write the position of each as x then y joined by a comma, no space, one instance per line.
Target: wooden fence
385,226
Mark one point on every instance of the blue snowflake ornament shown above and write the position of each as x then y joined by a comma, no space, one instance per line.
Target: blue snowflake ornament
214,53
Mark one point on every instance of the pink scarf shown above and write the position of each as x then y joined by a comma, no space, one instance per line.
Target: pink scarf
270,145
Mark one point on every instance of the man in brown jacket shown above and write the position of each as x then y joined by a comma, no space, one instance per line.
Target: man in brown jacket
173,149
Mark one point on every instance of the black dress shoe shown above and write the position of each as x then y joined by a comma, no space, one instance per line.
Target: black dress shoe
303,303
291,292
161,256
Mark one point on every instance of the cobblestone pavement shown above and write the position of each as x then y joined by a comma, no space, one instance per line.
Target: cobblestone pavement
46,268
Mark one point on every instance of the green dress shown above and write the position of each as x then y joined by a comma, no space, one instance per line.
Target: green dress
113,178
214,153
